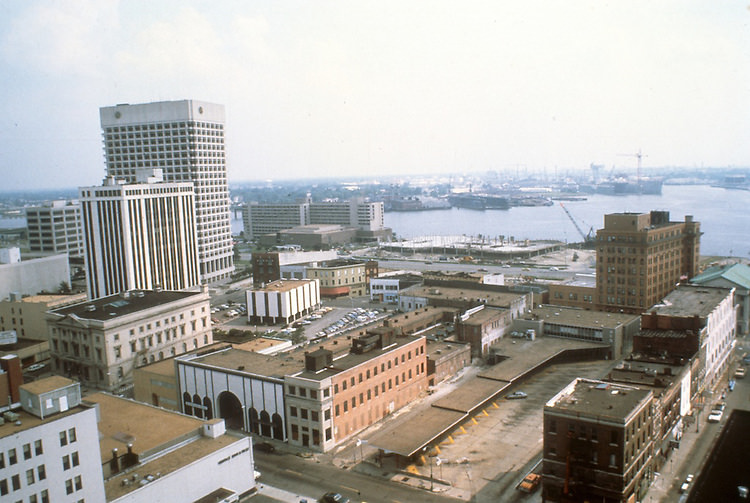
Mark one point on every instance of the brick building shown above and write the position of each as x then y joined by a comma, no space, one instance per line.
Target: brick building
597,443
641,256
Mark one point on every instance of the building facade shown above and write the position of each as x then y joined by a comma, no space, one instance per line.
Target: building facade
283,301
54,228
185,139
101,342
53,453
330,402
340,278
735,276
641,256
270,218
481,327
34,276
708,318
244,388
140,236
598,443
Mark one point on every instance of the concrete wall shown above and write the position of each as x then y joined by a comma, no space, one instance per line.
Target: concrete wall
30,277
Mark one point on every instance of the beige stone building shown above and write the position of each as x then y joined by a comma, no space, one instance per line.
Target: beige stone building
101,342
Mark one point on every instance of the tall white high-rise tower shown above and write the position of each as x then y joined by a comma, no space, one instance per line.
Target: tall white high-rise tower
185,139
139,236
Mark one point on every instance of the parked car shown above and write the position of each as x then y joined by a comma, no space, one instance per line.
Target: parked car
264,447
715,416
686,485
516,395
334,498
35,366
731,384
739,373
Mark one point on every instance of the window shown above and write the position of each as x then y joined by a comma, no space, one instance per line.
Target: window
26,451
69,486
292,390
45,496
78,482
12,459
293,411
30,476
3,487
74,458
41,472
38,448
303,413
16,482
63,438
66,462
314,416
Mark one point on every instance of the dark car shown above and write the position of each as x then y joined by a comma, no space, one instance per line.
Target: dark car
333,498
264,447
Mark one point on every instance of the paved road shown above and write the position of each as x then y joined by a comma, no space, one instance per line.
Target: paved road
307,477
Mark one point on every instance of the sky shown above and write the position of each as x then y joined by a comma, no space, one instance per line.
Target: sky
370,88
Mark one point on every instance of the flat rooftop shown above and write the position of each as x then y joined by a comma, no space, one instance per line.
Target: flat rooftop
260,344
470,395
47,384
29,421
284,285
598,399
521,355
114,306
407,437
124,422
485,315
250,362
691,300
351,360
490,298
441,349
576,317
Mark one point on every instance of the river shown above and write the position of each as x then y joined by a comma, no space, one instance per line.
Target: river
721,213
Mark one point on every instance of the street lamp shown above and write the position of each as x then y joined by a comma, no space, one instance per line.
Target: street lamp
360,442
439,462
432,481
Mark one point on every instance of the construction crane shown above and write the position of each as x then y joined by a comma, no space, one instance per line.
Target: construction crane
638,155
587,238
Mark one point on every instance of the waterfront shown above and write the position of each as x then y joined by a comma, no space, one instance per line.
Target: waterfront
721,213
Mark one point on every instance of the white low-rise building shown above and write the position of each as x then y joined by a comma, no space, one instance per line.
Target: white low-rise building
283,301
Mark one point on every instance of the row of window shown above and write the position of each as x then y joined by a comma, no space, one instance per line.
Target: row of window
383,366
376,390
15,480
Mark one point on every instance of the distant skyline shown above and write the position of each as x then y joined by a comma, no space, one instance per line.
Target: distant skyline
335,89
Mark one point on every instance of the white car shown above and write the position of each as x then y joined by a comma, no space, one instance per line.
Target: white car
715,416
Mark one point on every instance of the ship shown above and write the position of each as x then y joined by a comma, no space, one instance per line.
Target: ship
474,201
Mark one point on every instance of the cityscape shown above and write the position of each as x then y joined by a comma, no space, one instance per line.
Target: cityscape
220,312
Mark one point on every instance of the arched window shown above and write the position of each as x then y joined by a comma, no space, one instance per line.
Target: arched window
254,420
187,405
208,411
197,409
278,427
265,424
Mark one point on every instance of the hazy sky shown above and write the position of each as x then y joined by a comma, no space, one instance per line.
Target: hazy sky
318,88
